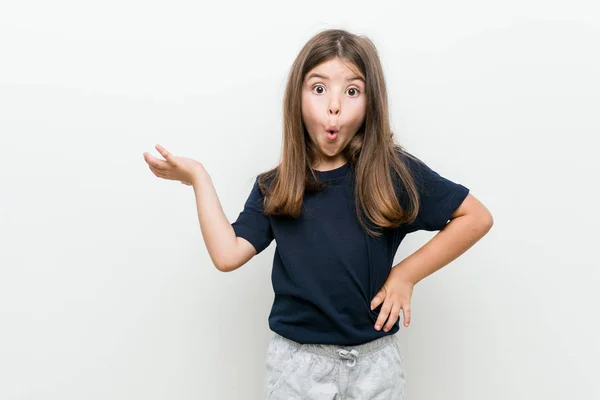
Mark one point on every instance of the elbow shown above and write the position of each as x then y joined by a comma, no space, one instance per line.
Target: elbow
489,219
486,222
479,222
483,217
222,267
221,264
234,257
229,264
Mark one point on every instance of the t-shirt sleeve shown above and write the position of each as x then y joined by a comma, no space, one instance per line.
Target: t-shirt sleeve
251,224
439,197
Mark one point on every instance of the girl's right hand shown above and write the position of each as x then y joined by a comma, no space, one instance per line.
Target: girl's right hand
174,168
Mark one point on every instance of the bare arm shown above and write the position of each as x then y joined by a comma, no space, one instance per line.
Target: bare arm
226,251
469,223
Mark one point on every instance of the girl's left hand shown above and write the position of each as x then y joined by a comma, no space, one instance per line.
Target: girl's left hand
395,295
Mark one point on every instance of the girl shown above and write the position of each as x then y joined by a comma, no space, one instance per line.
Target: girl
339,203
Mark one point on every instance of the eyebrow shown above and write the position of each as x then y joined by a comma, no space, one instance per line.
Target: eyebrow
317,75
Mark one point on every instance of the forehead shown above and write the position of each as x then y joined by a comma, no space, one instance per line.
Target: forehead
335,69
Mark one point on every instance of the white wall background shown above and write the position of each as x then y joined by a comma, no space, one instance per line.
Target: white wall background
106,288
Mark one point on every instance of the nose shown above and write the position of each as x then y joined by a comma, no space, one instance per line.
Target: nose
334,108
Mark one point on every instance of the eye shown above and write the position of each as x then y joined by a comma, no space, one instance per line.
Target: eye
355,90
316,86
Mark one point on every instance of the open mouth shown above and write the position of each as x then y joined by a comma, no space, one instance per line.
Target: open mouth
332,134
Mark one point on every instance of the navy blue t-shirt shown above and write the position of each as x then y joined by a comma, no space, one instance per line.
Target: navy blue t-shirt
326,268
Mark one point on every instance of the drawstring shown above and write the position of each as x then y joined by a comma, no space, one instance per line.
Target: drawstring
348,355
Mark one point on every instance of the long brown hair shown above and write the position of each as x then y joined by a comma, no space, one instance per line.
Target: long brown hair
373,153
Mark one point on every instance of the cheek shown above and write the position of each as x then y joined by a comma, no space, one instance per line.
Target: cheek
358,112
309,111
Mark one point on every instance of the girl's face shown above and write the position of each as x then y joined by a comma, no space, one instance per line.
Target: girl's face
333,95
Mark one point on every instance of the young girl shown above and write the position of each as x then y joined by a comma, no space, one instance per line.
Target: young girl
339,203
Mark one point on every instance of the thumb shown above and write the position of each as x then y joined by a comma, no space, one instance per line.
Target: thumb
167,155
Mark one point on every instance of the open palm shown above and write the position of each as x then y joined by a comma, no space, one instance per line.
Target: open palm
173,167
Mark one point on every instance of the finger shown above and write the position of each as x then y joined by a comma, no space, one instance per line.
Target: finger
163,152
394,315
155,162
154,171
378,299
406,313
157,172
383,314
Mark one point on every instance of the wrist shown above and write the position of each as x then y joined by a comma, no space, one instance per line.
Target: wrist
199,176
402,273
